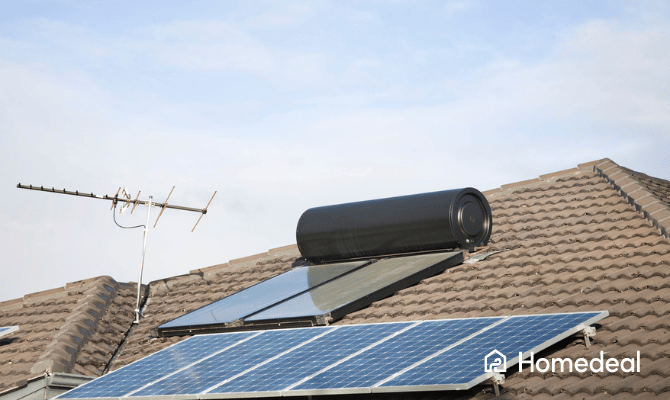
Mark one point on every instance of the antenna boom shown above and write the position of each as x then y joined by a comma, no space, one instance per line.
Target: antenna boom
111,198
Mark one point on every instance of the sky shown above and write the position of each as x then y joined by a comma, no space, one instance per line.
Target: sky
284,106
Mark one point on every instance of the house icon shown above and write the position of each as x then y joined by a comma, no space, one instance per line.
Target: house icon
495,361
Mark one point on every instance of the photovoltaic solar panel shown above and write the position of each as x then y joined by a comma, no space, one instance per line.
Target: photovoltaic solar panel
358,289
224,312
462,364
6,330
389,357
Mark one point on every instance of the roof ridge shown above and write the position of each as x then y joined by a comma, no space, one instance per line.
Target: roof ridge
61,354
509,188
632,190
45,295
208,272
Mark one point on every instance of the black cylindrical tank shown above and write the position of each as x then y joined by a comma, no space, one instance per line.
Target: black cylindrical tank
405,224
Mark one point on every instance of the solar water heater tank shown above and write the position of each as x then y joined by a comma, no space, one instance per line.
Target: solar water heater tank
458,218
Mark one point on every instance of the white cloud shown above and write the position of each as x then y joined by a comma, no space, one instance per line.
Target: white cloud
282,14
205,46
224,47
361,72
454,6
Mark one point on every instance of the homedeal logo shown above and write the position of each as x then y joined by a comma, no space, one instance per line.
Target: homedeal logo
495,361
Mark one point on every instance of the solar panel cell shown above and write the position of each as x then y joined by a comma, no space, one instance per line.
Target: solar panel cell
164,362
397,353
311,358
464,363
208,373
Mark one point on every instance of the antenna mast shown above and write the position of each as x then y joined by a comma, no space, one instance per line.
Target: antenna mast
125,198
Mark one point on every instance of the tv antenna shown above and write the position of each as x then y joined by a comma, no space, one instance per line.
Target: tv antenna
124,197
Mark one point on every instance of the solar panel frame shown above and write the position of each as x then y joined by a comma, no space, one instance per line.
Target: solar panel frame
434,266
582,319
6,330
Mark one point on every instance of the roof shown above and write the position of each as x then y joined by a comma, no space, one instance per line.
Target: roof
593,237
73,329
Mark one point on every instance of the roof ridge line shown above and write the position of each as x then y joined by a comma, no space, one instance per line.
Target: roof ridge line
61,353
48,294
208,272
631,189
510,188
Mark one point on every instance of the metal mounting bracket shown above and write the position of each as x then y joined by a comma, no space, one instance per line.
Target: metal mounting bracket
588,332
497,380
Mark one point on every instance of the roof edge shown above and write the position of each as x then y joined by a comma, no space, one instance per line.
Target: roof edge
631,189
44,386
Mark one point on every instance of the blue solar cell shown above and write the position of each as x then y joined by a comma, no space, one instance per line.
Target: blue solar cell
396,354
226,365
262,295
465,362
311,358
155,366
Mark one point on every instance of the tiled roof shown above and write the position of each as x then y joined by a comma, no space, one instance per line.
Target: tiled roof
573,244
74,329
590,238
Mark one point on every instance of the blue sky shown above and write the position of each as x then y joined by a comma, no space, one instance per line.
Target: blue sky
283,106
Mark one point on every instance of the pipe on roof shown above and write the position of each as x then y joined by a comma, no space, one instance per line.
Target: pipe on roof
422,222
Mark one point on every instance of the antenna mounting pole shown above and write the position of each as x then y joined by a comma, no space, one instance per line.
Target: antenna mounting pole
144,250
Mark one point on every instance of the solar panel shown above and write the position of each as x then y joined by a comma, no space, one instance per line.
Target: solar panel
223,313
6,330
462,364
358,289
388,357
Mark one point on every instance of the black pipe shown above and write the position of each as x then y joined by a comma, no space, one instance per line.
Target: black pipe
406,224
